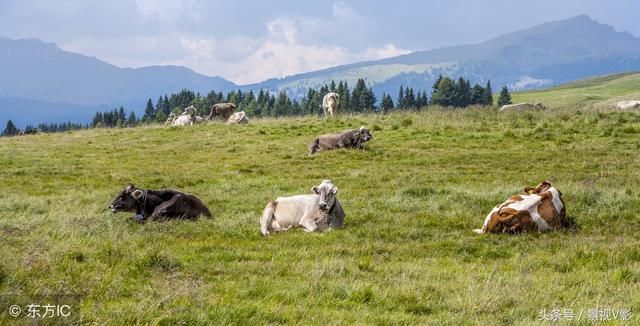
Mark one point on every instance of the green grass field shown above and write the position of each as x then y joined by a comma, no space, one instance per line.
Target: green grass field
598,93
406,256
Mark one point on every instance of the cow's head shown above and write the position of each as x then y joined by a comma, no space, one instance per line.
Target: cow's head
190,110
363,134
542,187
539,106
327,192
127,200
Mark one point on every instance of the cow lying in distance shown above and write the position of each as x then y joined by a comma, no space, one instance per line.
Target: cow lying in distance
537,209
626,105
354,138
238,118
25,132
523,107
315,212
170,119
224,110
187,118
155,204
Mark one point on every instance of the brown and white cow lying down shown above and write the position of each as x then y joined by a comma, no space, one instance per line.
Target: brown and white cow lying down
155,204
537,209
315,212
354,138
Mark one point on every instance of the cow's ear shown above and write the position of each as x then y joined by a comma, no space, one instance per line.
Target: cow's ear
528,190
130,187
314,189
334,190
137,194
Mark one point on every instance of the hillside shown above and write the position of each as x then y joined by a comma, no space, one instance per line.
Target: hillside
36,71
412,198
541,56
597,93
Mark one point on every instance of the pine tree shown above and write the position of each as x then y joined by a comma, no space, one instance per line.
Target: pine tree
444,93
400,101
436,83
149,112
387,103
409,99
133,120
10,130
505,97
463,93
477,93
487,97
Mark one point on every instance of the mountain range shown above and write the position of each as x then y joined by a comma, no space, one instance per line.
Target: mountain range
42,83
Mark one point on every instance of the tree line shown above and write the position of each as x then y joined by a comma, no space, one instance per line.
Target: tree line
358,99
11,129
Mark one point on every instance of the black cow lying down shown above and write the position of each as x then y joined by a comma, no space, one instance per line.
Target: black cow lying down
155,204
347,139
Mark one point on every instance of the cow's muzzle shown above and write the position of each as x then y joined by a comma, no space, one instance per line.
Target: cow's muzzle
113,208
323,206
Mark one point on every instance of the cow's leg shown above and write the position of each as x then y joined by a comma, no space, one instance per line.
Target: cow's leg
164,209
309,224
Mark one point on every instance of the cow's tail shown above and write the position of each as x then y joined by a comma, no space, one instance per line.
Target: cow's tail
267,216
314,146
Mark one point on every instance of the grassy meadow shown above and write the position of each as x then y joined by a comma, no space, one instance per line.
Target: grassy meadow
406,256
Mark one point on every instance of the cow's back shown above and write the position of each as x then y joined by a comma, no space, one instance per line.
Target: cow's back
289,211
337,140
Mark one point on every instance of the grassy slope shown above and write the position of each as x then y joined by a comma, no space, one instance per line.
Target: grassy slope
594,93
407,253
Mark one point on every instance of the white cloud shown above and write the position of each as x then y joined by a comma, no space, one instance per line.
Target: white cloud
281,52
278,55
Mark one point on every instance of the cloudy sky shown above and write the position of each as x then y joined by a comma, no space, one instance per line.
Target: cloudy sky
249,41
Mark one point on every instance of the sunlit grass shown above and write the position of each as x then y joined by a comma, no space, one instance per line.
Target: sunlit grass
406,255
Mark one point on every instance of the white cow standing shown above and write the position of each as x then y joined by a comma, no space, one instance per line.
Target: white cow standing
330,102
315,212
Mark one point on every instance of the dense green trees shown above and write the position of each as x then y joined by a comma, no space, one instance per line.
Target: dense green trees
445,92
10,129
505,97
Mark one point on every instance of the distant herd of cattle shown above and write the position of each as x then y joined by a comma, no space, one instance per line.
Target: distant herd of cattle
539,208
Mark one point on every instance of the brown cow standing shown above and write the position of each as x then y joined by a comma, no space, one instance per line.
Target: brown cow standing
354,138
224,110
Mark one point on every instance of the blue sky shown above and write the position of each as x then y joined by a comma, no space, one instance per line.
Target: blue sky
249,41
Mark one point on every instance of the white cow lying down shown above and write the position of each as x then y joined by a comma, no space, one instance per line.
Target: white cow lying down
238,118
315,212
523,106
187,118
626,105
